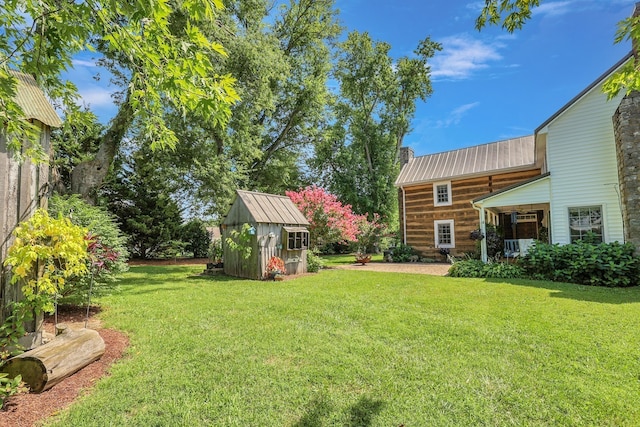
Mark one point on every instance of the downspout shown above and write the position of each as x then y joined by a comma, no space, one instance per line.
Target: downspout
404,217
483,229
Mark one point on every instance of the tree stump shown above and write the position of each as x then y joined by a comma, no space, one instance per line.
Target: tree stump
47,365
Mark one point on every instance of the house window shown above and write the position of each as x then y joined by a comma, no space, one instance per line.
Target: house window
444,234
296,238
586,220
442,193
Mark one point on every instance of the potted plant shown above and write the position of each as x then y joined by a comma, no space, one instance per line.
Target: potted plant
362,258
275,268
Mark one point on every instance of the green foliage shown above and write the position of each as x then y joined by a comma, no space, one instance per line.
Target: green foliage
168,65
604,264
13,328
45,254
240,241
10,387
195,234
402,253
141,197
477,268
314,262
109,246
358,161
216,251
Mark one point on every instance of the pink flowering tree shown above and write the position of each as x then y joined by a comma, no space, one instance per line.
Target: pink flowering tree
331,221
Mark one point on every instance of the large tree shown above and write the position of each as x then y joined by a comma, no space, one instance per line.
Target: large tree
376,102
157,49
280,59
513,14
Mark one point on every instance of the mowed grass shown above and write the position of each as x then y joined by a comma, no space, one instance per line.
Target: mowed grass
345,348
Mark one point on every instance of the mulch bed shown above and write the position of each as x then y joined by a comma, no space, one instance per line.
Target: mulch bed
27,409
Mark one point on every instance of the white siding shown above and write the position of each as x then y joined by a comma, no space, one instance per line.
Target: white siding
581,157
536,192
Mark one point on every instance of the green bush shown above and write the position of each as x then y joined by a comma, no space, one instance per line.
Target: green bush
402,253
603,264
109,247
477,268
314,262
196,237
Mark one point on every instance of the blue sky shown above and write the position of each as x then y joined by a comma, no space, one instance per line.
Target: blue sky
492,85
488,85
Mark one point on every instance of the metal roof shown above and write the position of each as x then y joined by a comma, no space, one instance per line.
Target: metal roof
271,209
33,101
510,154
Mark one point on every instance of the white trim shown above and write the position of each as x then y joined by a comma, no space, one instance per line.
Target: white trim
435,193
449,222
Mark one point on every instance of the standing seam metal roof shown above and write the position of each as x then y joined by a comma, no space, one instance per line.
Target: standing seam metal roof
271,209
33,102
515,153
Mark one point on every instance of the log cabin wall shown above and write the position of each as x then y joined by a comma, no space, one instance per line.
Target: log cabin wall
421,212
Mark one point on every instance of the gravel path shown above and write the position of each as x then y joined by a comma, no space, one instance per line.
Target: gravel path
435,269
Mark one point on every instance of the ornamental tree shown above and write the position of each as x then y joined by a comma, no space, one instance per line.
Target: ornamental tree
331,221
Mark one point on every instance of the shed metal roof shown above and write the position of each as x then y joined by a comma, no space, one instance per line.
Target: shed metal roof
271,209
33,101
510,154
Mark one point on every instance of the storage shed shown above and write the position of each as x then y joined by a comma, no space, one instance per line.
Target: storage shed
24,186
278,228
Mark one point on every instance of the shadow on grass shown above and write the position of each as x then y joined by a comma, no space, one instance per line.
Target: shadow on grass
598,294
361,414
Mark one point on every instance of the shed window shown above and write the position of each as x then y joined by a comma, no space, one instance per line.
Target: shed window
442,193
586,220
296,238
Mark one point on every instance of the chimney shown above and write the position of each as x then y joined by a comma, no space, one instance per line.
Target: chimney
406,155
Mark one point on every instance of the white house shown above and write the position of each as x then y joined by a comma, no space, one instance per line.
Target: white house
578,189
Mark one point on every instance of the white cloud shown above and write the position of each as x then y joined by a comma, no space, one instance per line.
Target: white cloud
82,63
456,115
95,96
462,56
555,8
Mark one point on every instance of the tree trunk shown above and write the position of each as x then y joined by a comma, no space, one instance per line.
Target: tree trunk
87,177
47,365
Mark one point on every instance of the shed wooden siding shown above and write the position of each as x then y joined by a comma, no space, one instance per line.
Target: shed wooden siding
581,157
421,212
23,189
268,214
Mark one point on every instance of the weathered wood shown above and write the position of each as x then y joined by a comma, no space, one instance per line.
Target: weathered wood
47,365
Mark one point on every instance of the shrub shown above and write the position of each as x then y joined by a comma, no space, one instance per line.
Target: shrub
402,253
477,268
196,237
108,247
314,262
603,264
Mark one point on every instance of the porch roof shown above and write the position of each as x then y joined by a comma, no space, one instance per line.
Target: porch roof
532,191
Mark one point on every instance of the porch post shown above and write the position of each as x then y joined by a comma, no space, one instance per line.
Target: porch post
483,231
483,242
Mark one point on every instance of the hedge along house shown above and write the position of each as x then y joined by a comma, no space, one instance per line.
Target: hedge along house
24,186
590,169
434,192
277,228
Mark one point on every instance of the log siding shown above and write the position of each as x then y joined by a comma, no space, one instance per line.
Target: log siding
421,213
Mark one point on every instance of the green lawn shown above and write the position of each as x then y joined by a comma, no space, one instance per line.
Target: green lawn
357,348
